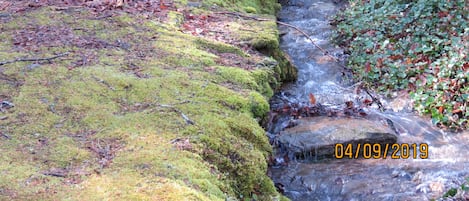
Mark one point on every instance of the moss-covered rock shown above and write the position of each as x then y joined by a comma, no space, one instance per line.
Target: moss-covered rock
137,109
249,6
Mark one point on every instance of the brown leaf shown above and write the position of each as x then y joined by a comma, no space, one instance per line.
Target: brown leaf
442,14
367,67
162,6
440,109
408,61
367,102
312,99
379,62
395,57
456,111
349,104
392,17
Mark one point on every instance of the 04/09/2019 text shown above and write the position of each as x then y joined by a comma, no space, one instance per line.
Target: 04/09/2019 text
377,151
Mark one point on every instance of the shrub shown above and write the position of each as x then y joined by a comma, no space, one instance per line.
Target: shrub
418,46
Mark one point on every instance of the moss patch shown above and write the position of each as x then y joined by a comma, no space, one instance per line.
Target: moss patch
138,108
249,6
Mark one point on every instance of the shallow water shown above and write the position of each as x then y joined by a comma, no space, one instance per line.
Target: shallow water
447,165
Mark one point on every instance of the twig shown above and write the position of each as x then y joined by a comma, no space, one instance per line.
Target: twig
188,121
58,8
104,82
5,135
34,59
102,16
5,105
54,174
309,38
376,100
381,108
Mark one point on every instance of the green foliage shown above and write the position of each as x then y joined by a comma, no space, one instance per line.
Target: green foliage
420,46
250,9
450,193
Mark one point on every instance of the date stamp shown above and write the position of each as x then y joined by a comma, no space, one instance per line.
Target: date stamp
377,151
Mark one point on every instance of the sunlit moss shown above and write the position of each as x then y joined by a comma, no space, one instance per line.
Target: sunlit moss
263,6
131,103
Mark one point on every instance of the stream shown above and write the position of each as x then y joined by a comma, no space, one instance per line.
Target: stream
305,166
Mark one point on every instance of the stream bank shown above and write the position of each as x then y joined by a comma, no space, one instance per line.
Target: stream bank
148,100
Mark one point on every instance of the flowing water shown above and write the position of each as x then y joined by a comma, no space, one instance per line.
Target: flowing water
446,167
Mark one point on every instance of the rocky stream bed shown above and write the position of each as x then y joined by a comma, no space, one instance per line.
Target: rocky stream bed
306,167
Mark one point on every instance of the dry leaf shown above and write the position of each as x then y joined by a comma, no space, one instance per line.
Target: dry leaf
440,109
367,67
456,111
367,102
312,99
349,104
119,4
408,61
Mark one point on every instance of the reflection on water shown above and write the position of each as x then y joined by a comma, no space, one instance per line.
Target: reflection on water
358,179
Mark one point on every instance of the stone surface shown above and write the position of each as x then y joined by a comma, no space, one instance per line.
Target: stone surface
316,137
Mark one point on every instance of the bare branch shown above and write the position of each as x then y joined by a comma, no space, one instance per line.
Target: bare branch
188,121
34,59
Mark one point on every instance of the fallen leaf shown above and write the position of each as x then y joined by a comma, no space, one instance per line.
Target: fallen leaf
119,3
162,6
379,62
442,14
367,67
312,99
349,104
395,57
456,111
440,109
408,61
367,102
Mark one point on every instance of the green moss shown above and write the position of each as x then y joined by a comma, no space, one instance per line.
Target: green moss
250,9
65,150
259,104
182,51
175,19
263,6
112,112
264,38
219,47
237,76
265,78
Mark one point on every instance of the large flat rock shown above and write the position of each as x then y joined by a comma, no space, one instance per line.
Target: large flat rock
316,137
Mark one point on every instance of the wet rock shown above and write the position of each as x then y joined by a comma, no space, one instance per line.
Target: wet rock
316,137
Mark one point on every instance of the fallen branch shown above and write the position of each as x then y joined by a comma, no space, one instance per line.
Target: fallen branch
309,38
34,59
54,174
5,135
288,25
103,82
58,8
